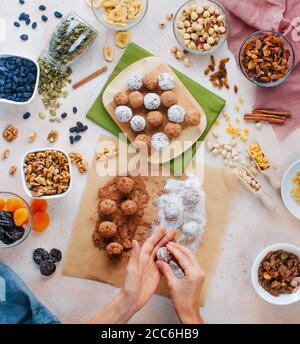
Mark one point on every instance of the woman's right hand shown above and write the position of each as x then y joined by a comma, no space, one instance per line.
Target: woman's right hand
185,292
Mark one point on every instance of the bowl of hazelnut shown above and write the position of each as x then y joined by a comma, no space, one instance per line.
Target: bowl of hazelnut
200,27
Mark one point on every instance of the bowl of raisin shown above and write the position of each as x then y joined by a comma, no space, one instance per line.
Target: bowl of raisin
15,220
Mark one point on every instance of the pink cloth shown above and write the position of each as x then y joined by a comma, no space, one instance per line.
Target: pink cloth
247,16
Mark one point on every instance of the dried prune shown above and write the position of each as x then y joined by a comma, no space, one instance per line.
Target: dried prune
47,267
39,255
6,220
15,234
55,255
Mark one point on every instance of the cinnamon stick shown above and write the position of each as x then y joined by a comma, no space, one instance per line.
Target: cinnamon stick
265,115
272,120
273,112
89,77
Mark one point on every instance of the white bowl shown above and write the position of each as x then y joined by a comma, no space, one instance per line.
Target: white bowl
286,186
28,192
7,101
282,299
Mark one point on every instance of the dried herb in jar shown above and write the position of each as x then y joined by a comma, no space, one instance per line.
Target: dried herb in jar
70,39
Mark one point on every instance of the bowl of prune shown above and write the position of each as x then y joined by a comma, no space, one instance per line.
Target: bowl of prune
276,274
15,220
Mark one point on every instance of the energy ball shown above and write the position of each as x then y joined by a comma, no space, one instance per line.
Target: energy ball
121,98
123,113
143,139
172,207
107,229
136,99
108,206
168,98
135,83
164,255
155,118
150,81
125,185
192,118
152,101
173,130
176,114
114,249
166,81
138,123
190,228
129,207
160,141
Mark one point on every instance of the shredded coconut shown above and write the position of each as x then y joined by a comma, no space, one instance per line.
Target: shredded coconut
176,113
166,81
152,101
135,83
160,141
124,113
182,207
138,123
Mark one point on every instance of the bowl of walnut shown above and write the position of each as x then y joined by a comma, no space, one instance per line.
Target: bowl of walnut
46,173
200,26
275,274
267,58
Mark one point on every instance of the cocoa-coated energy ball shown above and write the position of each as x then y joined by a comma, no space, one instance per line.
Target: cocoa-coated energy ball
136,99
114,249
150,82
108,206
129,207
125,185
155,118
143,138
173,130
168,98
192,118
107,229
121,98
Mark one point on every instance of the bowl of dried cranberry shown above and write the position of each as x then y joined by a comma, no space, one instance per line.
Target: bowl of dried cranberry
267,58
15,220
275,274
19,78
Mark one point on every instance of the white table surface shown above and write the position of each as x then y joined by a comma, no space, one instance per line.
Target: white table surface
231,298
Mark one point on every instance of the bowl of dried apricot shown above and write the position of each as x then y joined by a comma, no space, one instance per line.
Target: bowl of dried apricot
15,219
267,58
275,274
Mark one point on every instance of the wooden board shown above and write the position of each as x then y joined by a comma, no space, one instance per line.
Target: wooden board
189,134
86,261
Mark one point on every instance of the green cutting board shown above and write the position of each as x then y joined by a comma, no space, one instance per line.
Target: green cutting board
210,103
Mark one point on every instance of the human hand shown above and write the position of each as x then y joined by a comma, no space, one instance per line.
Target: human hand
185,292
143,275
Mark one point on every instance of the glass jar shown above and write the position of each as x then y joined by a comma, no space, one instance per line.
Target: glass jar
71,38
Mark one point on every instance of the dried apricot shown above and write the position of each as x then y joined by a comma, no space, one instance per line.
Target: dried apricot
21,215
2,203
38,205
41,221
13,204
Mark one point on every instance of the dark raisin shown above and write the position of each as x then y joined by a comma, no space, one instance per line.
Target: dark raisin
47,267
73,130
42,8
44,18
71,139
40,255
26,115
22,2
75,109
24,37
77,138
79,124
57,14
84,128
28,21
17,24
64,115
34,25
56,255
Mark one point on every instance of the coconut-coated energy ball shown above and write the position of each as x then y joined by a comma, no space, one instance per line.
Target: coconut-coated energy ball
129,207
173,130
107,229
143,138
152,101
136,99
108,206
155,118
150,82
121,98
123,113
176,114
135,83
125,185
192,118
138,123
114,249
160,141
168,98
166,81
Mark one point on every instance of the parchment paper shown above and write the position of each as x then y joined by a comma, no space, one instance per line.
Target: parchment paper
86,261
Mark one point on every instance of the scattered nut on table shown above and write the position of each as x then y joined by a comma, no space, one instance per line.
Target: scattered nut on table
10,133
80,162
52,136
12,170
32,137
5,154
